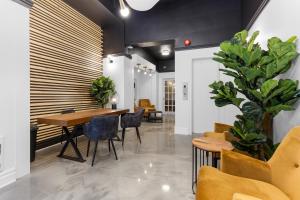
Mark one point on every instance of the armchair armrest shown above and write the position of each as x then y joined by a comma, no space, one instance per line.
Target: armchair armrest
151,106
239,196
244,166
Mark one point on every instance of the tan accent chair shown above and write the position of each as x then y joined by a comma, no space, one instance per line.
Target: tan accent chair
147,106
277,179
221,131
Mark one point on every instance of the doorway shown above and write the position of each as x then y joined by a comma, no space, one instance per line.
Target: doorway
169,96
204,111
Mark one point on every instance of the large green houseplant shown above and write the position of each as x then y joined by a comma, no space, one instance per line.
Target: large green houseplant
256,90
102,90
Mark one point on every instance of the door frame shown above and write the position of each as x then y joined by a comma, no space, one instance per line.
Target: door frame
164,93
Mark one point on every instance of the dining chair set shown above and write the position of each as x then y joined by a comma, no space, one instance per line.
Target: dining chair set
105,128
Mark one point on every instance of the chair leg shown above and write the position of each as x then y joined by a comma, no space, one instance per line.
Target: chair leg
88,148
113,146
138,134
123,136
62,136
109,145
95,151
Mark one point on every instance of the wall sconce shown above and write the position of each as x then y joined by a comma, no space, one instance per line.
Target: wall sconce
110,58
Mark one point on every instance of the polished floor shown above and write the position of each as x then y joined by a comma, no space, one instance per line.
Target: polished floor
158,169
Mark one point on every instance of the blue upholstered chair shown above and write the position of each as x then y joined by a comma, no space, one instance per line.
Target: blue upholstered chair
102,128
76,131
132,120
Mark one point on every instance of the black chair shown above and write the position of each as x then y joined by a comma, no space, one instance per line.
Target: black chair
102,128
132,120
77,130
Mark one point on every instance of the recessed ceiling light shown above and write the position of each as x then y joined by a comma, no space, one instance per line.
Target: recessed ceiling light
165,188
165,52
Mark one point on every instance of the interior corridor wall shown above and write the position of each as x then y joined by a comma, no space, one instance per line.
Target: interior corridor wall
184,106
281,19
15,91
121,71
146,87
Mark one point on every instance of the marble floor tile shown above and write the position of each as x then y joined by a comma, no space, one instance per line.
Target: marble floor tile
158,169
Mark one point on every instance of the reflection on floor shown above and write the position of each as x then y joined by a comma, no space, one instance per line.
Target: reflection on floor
158,169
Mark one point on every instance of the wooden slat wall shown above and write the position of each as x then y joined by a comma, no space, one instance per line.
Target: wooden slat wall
65,56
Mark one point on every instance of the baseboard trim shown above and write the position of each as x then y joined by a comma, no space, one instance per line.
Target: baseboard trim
182,131
7,177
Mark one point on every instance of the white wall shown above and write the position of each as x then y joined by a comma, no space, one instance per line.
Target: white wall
160,87
121,71
183,74
15,90
281,19
146,87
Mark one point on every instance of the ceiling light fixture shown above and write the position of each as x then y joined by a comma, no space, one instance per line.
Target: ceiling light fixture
165,52
142,5
124,11
130,47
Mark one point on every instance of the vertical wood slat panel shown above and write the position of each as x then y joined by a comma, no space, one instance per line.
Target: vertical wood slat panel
66,51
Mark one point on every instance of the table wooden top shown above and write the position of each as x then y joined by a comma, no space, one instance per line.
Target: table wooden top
80,117
212,144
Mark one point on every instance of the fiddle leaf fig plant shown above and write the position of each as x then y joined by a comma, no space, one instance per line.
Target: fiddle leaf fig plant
102,90
256,89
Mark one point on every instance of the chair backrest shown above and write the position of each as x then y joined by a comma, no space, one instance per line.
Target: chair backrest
67,111
144,103
221,128
139,114
285,164
102,127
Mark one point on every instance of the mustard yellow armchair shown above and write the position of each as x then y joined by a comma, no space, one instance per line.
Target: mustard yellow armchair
147,106
221,131
245,178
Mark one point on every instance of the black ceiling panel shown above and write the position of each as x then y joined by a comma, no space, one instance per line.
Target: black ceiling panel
205,22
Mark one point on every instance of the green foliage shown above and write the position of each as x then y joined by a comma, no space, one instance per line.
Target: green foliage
255,89
102,89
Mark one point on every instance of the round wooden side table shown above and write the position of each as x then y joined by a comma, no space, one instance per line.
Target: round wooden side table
209,153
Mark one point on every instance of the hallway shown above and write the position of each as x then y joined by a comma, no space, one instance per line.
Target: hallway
159,168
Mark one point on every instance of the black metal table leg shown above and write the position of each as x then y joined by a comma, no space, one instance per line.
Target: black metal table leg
69,140
193,172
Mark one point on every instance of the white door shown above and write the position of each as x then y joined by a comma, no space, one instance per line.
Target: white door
205,113
169,95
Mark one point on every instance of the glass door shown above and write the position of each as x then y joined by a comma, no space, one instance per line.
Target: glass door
169,96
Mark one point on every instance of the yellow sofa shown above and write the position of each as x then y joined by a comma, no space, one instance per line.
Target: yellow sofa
245,178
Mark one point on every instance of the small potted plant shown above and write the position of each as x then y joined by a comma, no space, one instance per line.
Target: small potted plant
102,90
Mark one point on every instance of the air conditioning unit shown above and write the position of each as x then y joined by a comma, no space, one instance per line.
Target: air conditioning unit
1,153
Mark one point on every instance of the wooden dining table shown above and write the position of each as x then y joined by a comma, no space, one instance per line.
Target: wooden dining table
76,118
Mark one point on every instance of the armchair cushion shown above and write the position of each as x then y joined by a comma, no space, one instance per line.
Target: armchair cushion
239,196
216,185
145,103
241,165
